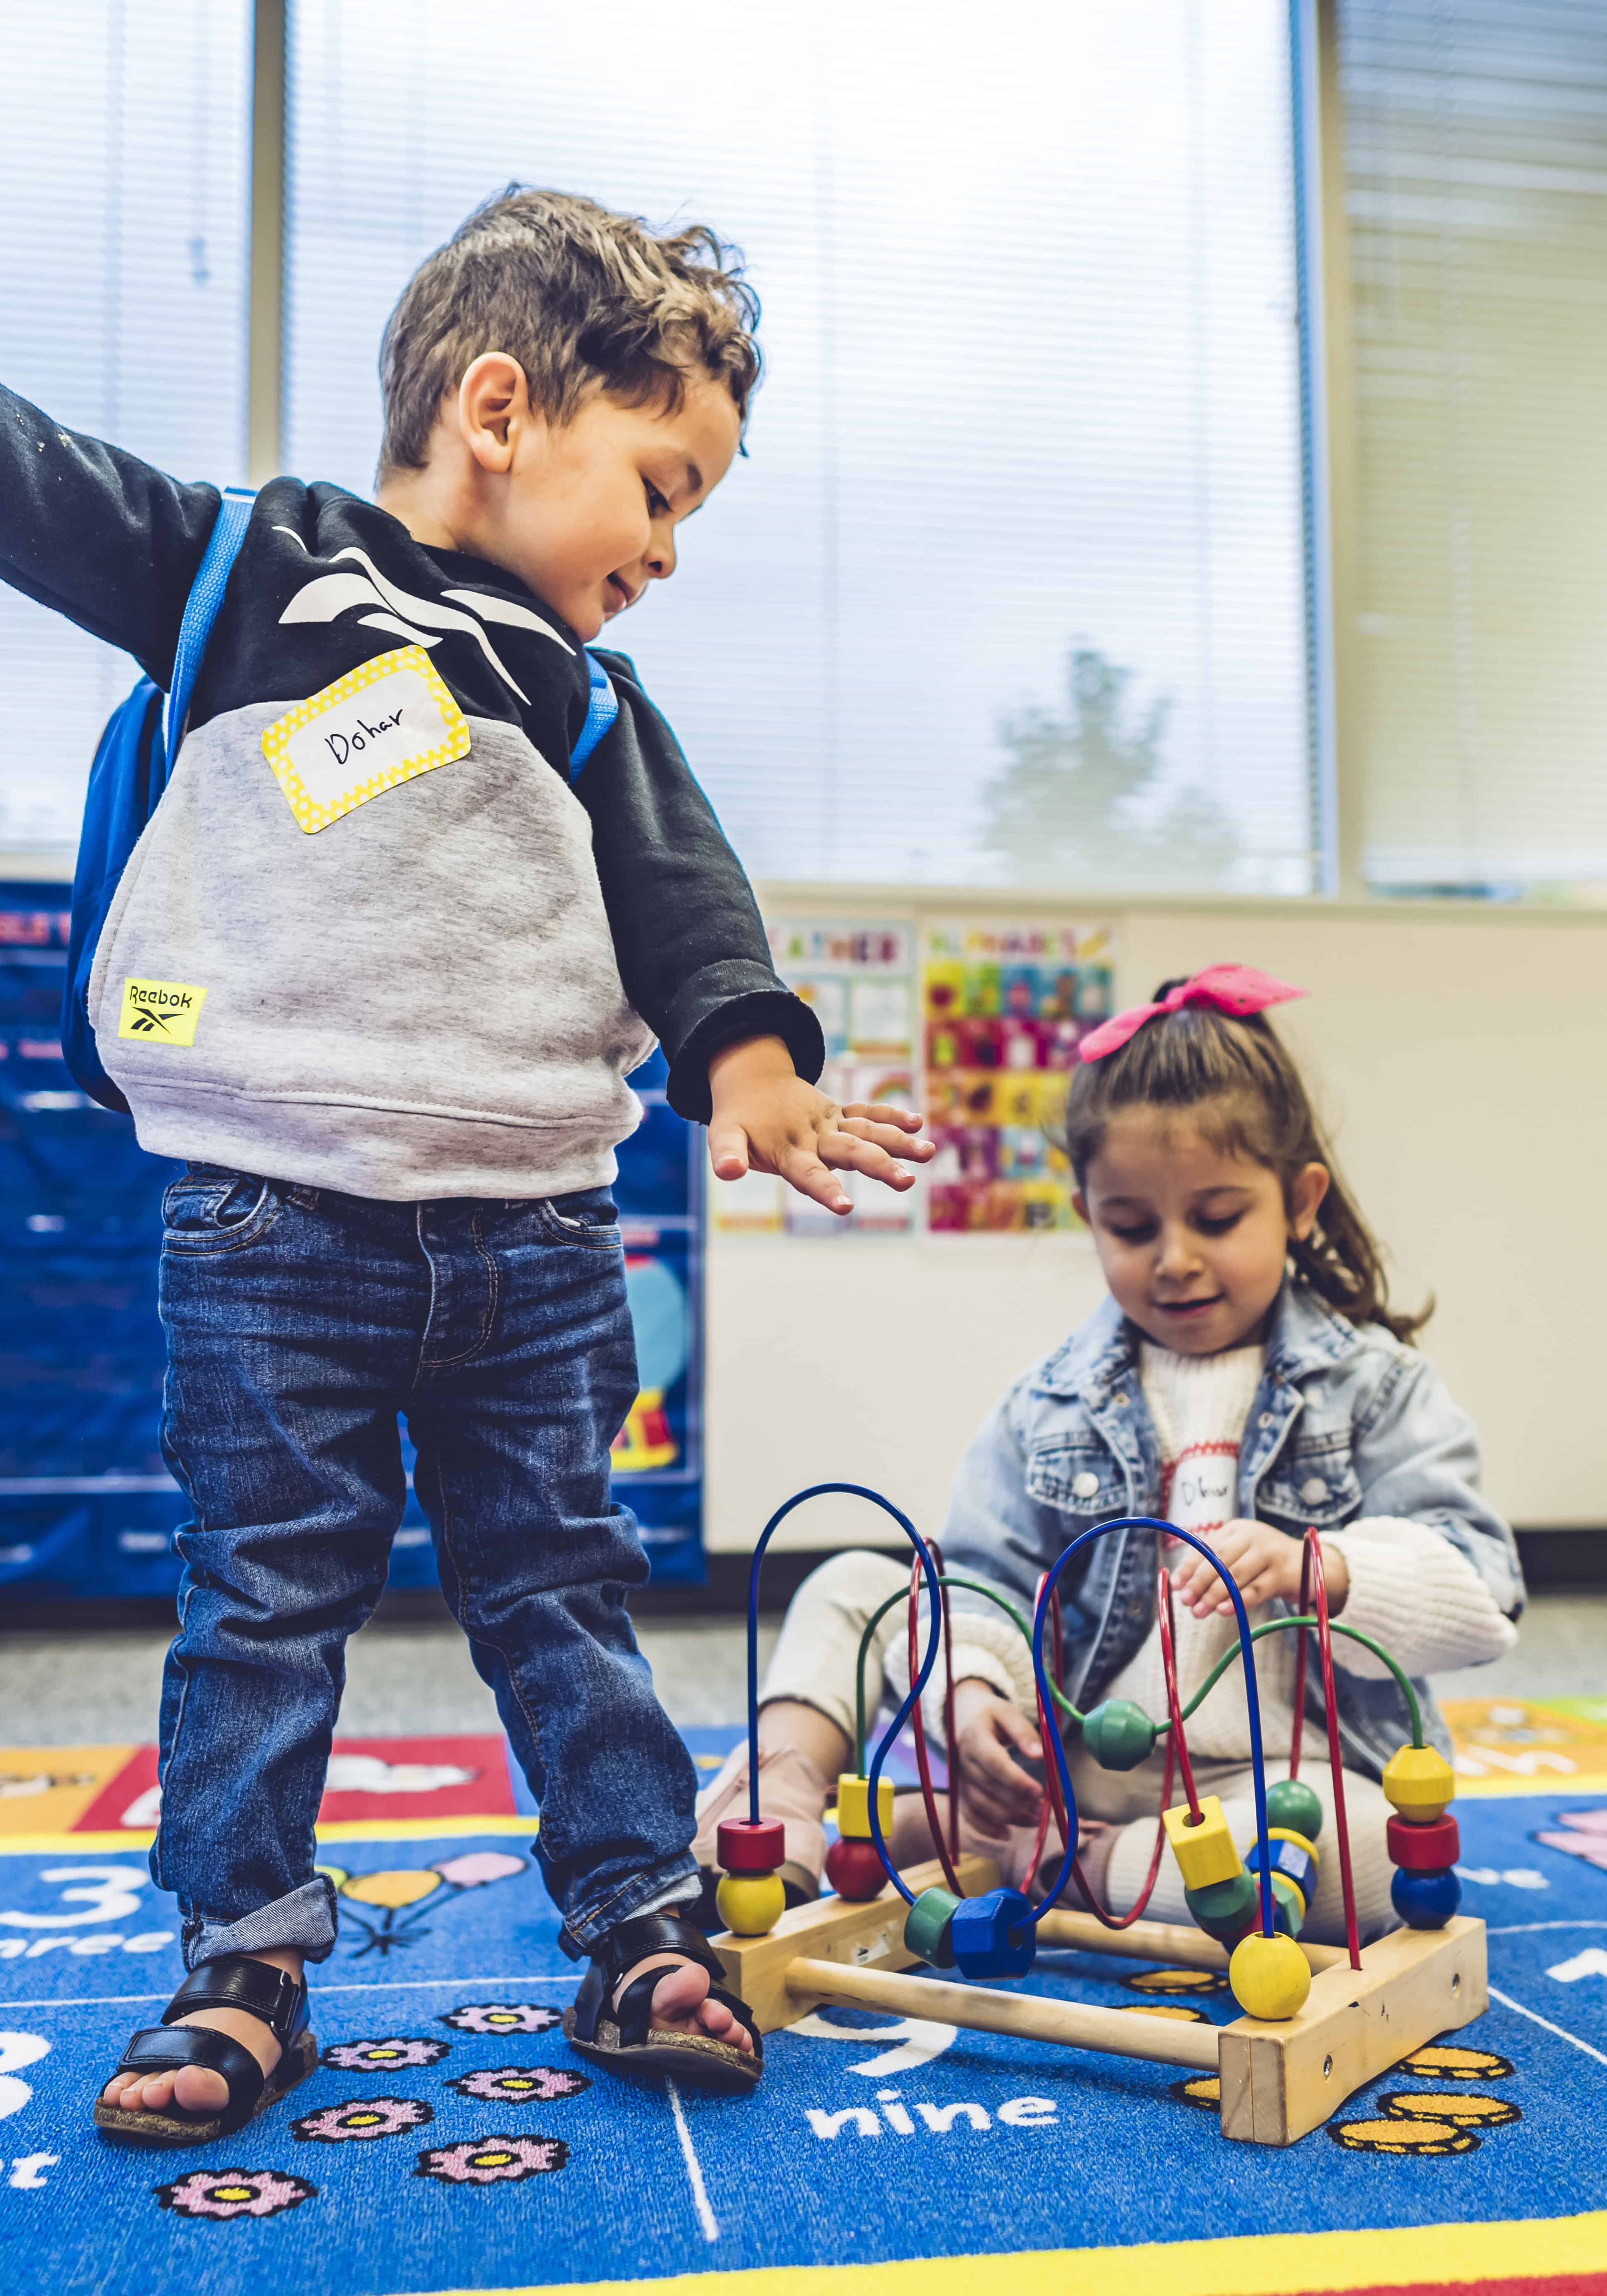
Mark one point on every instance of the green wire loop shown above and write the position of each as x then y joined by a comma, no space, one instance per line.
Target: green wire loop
970,1587
1335,1626
1268,1626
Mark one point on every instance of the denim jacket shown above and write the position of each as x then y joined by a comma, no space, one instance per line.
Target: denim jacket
1347,1423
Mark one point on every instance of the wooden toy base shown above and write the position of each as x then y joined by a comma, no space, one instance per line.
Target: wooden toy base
1278,2081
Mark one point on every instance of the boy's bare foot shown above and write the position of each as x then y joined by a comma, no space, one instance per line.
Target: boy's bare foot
196,2089
681,2003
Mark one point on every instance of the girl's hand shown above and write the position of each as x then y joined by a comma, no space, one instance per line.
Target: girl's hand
766,1119
994,1740
1264,1563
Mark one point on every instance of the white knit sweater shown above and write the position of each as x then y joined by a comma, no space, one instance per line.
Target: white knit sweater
1409,1588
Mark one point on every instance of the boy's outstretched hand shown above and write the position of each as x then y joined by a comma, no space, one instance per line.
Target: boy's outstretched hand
766,1119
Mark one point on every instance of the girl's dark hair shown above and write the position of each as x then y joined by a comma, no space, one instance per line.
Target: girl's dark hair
1241,1080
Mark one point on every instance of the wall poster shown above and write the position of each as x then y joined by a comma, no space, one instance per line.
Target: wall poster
860,980
1005,1005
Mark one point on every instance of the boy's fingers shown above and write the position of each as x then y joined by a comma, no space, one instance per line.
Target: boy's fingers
728,1151
804,1171
895,1139
849,1155
877,1111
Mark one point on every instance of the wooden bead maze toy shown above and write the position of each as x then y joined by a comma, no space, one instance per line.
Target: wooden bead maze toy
1319,2022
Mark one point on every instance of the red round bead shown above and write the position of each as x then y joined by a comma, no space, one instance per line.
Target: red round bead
1424,1849
744,1845
855,1870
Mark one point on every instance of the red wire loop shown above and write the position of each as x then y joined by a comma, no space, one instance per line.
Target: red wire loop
1165,1621
1313,1578
1300,1641
948,1853
1053,1800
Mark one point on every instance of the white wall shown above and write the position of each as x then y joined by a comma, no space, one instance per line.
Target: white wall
1458,1056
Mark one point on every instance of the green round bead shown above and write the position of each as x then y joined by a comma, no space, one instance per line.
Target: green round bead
1290,1802
927,1927
1118,1735
1226,1910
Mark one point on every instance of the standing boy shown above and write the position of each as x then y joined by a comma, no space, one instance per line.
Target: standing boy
413,959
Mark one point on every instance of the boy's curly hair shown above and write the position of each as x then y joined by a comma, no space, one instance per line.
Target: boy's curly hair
584,299
1239,1081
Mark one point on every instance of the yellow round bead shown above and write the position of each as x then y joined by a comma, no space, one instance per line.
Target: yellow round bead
749,1903
1270,1976
1419,1782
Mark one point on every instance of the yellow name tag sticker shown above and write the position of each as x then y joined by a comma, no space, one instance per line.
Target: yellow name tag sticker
382,723
160,1011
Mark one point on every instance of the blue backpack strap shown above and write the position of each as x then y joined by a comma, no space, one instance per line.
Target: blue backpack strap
601,712
201,611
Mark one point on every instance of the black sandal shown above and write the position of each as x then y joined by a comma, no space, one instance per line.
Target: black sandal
625,2037
234,1981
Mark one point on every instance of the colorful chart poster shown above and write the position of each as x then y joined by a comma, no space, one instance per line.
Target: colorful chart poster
1004,1007
860,980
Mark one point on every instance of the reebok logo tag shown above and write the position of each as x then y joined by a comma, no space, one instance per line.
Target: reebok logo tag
160,1011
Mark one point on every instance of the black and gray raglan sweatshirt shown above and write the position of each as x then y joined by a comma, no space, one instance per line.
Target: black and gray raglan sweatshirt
419,961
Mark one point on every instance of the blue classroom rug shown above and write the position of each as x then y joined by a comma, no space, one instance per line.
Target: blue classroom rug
450,2141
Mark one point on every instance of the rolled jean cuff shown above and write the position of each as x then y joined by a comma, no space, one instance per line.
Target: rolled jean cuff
660,1891
303,1922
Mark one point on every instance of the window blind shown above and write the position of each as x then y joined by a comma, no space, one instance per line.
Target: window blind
123,185
1476,160
1011,587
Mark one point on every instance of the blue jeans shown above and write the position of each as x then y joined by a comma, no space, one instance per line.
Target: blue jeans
300,1323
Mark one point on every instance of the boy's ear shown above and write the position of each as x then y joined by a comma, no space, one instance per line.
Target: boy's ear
493,407
1079,1205
1305,1199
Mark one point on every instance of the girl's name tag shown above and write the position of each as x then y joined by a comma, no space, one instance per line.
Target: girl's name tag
373,729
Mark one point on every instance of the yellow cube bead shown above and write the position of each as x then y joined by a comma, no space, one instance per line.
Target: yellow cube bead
751,1904
1270,1976
854,1806
1205,1853
1419,1782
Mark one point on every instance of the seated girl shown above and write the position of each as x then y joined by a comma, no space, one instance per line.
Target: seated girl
1246,1378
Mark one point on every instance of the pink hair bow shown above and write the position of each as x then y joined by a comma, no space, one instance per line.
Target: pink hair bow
1237,990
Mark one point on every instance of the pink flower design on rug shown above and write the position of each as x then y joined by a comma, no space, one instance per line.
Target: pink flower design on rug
361,2117
478,1866
494,2161
223,2193
520,2083
1587,1838
502,2017
382,2056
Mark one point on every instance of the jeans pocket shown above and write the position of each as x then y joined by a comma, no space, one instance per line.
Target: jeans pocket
586,1216
211,1209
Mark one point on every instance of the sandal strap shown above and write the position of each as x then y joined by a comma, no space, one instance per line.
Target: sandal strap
236,1982
161,2049
652,1933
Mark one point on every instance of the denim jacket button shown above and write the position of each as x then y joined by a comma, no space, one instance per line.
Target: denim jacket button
1313,1490
1120,1401
1085,1486
1265,1420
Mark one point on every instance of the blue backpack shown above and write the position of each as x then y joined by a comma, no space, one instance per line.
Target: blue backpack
131,771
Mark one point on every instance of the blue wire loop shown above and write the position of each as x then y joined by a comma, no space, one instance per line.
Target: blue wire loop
929,1569
1251,1694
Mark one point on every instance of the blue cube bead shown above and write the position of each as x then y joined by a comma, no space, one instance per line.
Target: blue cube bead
992,1936
1425,1901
